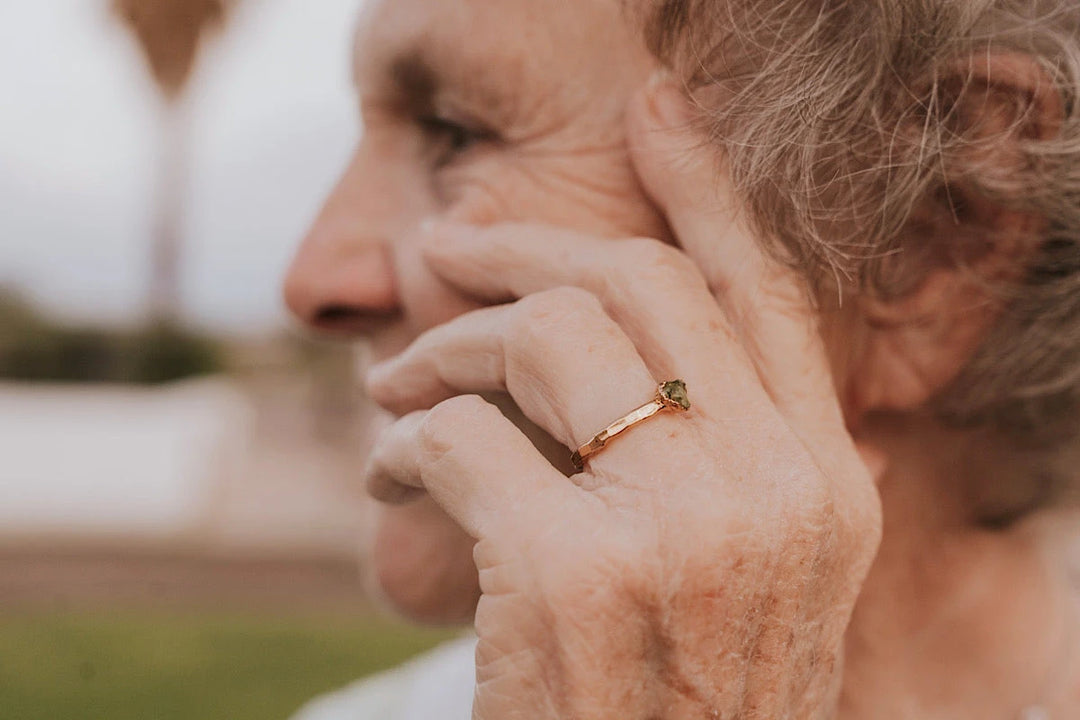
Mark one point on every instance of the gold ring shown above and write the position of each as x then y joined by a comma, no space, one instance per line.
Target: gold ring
669,395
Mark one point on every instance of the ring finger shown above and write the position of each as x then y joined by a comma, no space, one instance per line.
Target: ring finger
653,291
568,366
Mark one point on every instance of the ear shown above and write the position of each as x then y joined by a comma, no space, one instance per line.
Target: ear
963,244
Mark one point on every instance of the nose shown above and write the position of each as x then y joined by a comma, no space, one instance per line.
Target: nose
341,279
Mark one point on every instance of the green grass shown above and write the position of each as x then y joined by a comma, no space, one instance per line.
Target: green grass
187,667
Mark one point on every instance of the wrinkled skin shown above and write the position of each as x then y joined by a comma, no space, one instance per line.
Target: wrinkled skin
724,548
707,564
561,158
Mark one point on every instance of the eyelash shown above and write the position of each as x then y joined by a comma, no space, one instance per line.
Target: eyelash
451,138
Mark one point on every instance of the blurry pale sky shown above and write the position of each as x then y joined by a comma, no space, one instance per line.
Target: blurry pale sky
274,121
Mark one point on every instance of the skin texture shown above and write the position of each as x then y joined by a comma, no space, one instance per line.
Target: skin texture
566,249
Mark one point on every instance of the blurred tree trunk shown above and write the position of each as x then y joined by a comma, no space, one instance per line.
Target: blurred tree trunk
166,249
170,33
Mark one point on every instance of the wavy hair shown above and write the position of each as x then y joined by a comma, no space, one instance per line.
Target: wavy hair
843,123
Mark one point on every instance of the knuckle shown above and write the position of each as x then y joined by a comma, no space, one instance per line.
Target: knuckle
442,423
561,300
541,316
650,261
831,527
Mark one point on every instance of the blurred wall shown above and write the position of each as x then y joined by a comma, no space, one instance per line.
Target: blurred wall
273,119
257,460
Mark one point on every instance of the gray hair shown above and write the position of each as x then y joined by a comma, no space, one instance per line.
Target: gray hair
842,124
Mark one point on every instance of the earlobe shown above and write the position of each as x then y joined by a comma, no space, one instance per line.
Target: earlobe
912,348
965,244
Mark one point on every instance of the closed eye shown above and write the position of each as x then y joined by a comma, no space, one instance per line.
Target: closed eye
450,139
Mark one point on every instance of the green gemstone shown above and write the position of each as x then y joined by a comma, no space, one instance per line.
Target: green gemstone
675,391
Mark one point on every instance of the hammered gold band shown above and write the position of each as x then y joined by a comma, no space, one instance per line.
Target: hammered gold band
670,395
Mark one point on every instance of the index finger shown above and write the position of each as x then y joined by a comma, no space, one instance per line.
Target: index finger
654,293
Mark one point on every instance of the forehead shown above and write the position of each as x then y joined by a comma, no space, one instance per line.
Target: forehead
514,41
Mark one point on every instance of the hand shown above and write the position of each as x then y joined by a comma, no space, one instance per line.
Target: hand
706,563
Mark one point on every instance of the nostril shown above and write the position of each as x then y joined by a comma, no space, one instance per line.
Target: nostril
335,314
352,319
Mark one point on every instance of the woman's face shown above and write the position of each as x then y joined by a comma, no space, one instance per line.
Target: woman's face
480,112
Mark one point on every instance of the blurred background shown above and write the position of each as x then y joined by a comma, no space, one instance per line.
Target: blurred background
178,517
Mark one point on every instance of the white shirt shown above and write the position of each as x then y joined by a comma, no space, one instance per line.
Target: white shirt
437,685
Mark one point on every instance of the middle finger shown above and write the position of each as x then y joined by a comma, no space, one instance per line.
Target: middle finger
567,365
652,290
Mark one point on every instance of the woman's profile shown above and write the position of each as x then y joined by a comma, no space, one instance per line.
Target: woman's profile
730,349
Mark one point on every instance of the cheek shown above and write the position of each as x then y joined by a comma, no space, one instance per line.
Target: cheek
489,193
423,564
484,196
592,195
597,195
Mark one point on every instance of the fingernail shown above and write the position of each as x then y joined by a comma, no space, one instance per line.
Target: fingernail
441,227
445,235
377,374
429,235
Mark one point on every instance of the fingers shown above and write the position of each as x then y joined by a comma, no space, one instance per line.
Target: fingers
651,290
566,364
767,304
472,461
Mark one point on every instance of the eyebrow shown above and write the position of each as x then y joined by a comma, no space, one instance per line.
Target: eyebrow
415,80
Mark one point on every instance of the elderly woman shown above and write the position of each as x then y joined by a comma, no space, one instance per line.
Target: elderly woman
748,392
